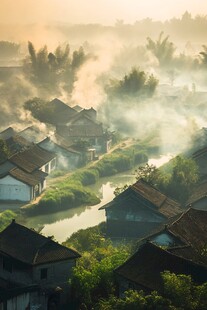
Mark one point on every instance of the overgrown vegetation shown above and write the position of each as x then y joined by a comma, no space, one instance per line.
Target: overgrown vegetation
180,292
177,178
6,218
95,286
93,276
72,192
4,151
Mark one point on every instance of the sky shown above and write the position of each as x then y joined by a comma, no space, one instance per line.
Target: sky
95,11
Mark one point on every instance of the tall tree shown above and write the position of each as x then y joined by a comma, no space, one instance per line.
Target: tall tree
162,49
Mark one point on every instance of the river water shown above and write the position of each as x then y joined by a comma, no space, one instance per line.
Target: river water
62,224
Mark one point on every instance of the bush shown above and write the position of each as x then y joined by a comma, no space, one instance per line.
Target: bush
6,218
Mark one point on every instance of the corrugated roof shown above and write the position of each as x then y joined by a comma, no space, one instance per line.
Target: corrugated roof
145,266
29,247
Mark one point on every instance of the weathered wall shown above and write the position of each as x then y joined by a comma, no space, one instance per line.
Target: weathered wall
57,273
12,189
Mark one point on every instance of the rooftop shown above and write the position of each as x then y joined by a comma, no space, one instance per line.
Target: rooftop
30,247
32,158
159,202
145,267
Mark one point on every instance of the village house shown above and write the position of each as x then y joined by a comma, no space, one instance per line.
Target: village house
200,157
67,156
143,270
23,175
198,198
35,134
17,144
186,236
59,112
7,133
84,127
138,210
37,266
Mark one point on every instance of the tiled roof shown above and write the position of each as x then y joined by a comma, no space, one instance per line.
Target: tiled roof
142,190
32,159
28,178
7,133
32,134
61,111
17,144
31,248
198,193
145,266
191,228
57,146
188,252
93,130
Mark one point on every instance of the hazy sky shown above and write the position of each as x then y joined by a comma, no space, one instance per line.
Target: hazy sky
96,11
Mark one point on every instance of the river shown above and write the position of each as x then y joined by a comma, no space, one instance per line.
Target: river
62,224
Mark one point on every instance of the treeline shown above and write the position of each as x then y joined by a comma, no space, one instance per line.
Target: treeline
176,27
8,49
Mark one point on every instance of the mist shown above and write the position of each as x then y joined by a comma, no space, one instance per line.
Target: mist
99,58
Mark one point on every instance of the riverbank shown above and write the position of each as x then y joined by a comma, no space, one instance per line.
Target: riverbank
72,191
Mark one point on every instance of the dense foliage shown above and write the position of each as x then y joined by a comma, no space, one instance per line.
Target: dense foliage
176,179
93,276
134,84
180,292
6,218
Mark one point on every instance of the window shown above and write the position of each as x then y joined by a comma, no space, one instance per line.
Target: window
7,265
43,274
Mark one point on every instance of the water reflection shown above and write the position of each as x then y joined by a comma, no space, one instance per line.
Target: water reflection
62,224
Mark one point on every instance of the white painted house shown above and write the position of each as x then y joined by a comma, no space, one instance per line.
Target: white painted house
23,176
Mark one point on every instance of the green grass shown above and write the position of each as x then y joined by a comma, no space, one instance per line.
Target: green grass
72,192
6,218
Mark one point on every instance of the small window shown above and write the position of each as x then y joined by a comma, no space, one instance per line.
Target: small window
7,265
43,274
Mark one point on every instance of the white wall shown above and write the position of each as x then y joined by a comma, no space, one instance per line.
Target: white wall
12,189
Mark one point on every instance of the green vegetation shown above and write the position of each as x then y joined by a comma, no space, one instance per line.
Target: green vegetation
6,218
4,151
135,83
49,70
179,293
72,192
177,178
95,286
93,277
